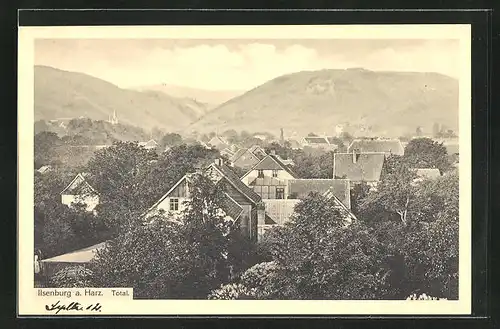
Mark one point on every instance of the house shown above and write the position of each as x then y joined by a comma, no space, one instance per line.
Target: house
425,174
227,152
372,145
241,203
280,210
218,142
321,142
271,167
359,167
80,191
44,169
79,257
149,145
247,158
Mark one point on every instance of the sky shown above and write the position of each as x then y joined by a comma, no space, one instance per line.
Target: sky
238,64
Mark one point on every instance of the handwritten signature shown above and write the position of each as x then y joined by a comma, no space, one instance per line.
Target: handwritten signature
73,306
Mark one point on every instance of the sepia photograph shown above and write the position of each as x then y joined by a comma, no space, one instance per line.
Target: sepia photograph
245,170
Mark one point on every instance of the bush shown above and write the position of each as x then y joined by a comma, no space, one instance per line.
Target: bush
232,291
77,276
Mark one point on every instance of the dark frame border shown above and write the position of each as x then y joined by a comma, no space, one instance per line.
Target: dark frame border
481,21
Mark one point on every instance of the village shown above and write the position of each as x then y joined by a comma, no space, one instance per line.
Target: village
262,184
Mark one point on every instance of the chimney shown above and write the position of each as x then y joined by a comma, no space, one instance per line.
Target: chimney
273,152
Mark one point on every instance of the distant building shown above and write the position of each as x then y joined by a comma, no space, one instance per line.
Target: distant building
322,142
44,169
359,167
242,204
247,158
387,146
80,191
149,145
270,166
218,143
78,257
280,197
113,119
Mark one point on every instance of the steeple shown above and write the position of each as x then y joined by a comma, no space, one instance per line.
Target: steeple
113,119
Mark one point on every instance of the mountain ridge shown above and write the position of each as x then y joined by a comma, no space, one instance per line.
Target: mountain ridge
63,94
364,101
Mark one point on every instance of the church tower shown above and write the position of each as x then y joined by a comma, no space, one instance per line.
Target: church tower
113,119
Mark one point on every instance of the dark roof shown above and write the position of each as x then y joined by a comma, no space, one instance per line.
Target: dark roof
231,207
316,140
271,162
332,140
368,166
258,151
238,154
393,146
237,183
339,187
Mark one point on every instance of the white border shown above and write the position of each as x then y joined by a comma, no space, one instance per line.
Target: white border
30,304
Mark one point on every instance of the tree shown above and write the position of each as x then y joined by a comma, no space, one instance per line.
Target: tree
117,171
422,251
318,257
44,147
170,139
173,258
395,192
426,153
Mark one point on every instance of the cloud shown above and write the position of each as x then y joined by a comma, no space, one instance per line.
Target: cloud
220,66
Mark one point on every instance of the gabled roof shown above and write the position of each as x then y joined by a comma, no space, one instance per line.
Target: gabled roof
217,140
230,206
227,151
316,140
339,187
257,151
332,140
271,162
150,142
238,154
387,146
344,210
234,180
84,255
78,184
368,166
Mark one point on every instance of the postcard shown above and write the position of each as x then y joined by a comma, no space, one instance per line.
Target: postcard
244,170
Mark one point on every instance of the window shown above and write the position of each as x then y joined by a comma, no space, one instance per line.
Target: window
275,173
260,173
174,204
280,193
